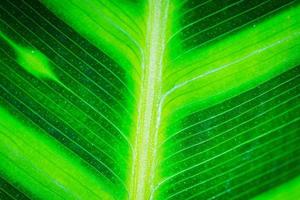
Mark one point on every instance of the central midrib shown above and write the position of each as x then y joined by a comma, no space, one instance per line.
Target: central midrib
148,113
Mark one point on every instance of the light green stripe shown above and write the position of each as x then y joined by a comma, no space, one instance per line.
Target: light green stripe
34,156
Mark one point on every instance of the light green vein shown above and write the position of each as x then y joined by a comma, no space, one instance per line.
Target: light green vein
148,114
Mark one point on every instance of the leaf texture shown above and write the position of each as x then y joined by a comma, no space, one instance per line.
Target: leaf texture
149,99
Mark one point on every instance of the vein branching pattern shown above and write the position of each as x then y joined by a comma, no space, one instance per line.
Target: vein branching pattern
149,99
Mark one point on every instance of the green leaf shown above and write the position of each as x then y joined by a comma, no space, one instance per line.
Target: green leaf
149,99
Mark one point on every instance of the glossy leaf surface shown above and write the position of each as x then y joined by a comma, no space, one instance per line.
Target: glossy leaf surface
149,99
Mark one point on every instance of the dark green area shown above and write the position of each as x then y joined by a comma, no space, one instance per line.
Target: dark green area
10,192
238,148
92,92
205,22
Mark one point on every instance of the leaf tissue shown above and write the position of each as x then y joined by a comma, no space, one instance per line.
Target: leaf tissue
149,99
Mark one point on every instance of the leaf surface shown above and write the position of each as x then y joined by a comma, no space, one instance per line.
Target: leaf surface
149,99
